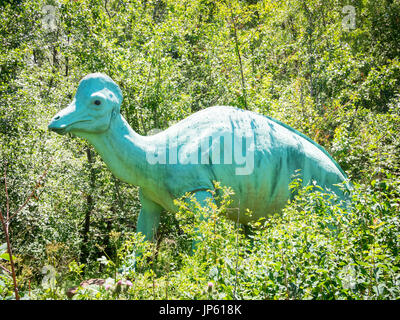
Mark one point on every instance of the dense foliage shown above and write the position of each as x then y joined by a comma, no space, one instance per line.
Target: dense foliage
329,70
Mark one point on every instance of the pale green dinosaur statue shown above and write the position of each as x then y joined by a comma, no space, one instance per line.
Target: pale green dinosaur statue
253,154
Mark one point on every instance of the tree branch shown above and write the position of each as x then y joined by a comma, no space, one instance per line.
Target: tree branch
5,269
38,183
239,56
7,198
5,222
5,225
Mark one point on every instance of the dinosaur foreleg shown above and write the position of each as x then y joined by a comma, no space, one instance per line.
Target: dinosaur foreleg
149,218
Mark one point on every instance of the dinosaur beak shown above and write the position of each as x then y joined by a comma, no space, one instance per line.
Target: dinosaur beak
64,119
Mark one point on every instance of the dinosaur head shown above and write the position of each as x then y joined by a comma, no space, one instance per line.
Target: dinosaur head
97,100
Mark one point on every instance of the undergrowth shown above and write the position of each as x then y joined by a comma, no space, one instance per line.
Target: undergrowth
318,248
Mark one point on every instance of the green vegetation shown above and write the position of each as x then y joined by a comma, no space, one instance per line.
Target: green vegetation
301,62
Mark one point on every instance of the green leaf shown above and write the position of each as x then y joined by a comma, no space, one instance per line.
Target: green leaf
6,256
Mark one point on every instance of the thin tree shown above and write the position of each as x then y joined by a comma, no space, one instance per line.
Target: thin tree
237,48
6,220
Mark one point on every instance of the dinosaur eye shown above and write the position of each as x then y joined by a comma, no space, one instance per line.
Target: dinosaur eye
97,102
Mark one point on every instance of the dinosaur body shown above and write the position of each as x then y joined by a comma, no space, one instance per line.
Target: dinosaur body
273,152
253,154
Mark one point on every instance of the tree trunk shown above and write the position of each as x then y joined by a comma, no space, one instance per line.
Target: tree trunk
89,207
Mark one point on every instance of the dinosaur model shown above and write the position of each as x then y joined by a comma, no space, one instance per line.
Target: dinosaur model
253,154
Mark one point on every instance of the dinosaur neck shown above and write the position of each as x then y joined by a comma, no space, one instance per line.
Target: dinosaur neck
124,152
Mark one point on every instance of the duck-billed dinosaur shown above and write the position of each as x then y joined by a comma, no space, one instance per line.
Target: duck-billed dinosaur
253,154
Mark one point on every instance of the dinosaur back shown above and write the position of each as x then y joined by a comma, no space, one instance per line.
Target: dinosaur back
309,140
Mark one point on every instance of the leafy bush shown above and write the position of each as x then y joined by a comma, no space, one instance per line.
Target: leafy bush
292,60
319,248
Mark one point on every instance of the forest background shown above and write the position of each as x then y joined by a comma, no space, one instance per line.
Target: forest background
330,69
